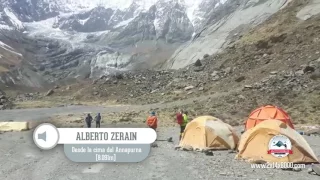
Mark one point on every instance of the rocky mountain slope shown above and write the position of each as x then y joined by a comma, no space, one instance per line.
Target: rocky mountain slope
223,26
64,40
278,63
67,39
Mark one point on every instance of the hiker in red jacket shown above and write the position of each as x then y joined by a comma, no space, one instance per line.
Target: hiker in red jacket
152,121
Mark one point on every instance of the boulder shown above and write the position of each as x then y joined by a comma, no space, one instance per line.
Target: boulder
187,148
278,38
241,97
299,73
170,139
208,153
188,88
50,92
198,63
214,73
309,69
228,70
241,78
2,101
296,169
262,44
205,56
315,75
125,119
154,145
119,76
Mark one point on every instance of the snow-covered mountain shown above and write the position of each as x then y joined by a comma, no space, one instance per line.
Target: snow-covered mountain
67,39
89,38
32,10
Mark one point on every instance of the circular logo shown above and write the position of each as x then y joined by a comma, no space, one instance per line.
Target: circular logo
280,146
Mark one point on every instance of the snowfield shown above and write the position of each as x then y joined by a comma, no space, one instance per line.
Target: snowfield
68,7
45,29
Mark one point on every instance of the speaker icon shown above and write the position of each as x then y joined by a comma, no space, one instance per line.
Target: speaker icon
43,136
46,136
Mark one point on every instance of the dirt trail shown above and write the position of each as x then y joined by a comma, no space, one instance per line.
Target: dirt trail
44,113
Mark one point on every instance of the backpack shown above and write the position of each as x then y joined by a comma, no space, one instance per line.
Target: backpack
179,118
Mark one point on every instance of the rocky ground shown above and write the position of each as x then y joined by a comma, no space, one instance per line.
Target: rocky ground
276,63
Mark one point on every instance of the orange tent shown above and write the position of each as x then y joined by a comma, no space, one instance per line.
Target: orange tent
255,143
266,113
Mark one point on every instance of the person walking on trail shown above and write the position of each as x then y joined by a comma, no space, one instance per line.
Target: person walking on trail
98,120
152,121
88,120
182,120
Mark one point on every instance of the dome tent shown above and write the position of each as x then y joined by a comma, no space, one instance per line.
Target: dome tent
254,144
267,113
207,132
